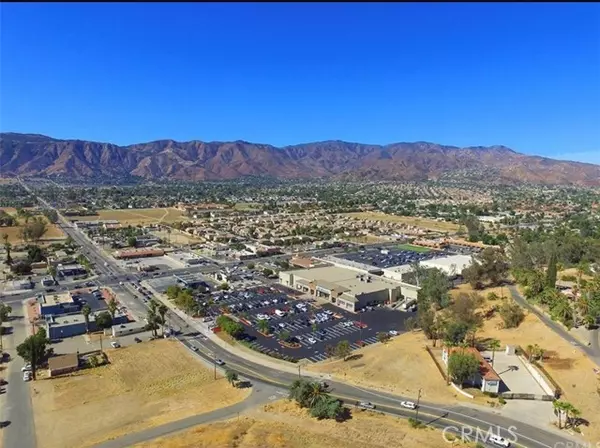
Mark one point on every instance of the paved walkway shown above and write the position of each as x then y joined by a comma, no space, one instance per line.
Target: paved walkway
260,394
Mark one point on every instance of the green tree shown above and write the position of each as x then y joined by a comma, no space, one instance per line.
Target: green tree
131,241
383,337
162,312
5,311
34,350
112,307
284,335
7,248
456,332
434,289
86,311
512,314
263,326
343,350
224,286
560,408
231,376
462,366
52,271
551,271
327,407
104,320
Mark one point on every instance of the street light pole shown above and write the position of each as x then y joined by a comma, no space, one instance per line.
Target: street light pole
418,401
299,376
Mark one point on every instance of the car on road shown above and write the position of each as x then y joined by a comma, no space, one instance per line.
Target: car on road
194,348
219,362
26,368
89,284
393,333
137,340
27,376
365,405
115,344
500,441
408,405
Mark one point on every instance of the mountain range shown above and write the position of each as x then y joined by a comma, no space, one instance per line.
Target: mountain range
33,154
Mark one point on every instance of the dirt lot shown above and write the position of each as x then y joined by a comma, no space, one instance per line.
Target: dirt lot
176,237
53,233
438,226
137,216
282,424
401,366
145,385
242,206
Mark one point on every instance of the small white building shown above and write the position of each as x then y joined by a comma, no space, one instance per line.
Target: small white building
486,379
128,328
452,265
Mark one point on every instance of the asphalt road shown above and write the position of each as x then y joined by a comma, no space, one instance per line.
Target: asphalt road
17,411
592,351
440,415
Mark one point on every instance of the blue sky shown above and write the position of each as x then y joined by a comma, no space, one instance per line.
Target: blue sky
523,75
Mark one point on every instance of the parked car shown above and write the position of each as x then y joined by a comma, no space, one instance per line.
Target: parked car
115,344
219,362
26,368
137,340
311,340
393,333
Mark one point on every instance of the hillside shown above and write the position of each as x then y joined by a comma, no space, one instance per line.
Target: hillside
30,154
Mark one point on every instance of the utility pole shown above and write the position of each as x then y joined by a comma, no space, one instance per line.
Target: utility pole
299,376
418,401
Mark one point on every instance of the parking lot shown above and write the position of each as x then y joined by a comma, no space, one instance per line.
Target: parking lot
389,257
312,327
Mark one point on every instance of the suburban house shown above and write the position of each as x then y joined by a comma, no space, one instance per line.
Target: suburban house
486,378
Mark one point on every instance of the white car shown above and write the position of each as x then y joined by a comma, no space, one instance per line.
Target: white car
312,341
26,367
408,405
27,376
365,405
115,344
500,441
393,333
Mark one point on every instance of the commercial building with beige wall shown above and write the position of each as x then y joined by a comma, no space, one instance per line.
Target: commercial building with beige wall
343,287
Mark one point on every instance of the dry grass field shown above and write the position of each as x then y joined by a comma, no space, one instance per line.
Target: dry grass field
145,385
429,224
282,424
176,238
401,366
137,216
53,234
243,206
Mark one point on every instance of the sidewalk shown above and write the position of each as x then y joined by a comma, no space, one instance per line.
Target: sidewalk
248,355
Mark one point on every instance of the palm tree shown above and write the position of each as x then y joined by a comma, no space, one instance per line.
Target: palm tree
494,345
263,326
112,307
231,376
315,393
86,311
560,407
162,311
529,352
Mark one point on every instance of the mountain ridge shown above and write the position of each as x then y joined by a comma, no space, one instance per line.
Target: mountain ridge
36,154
